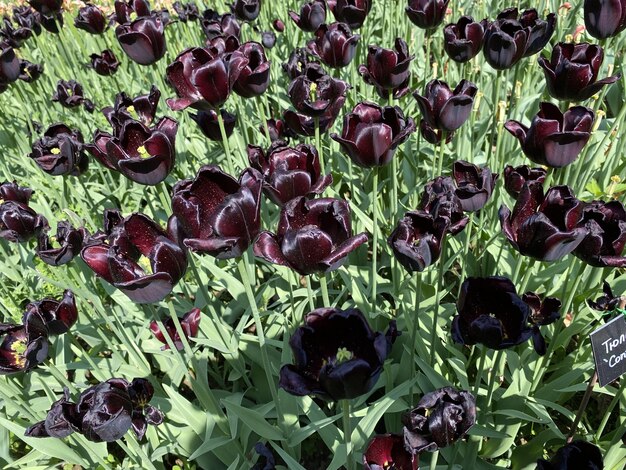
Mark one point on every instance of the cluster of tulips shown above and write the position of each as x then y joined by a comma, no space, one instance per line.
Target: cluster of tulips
337,355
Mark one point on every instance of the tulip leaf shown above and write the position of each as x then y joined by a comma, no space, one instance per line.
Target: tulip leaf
255,421
289,460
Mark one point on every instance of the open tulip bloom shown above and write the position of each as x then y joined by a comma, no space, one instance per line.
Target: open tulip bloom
515,177
69,239
388,451
60,151
189,324
388,70
464,40
18,221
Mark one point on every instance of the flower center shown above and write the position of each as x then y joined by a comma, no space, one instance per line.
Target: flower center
343,355
132,111
313,91
55,151
132,16
143,153
19,348
144,263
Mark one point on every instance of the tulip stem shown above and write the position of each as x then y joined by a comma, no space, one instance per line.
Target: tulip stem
442,152
324,286
463,261
434,459
245,279
375,236
494,122
347,433
393,207
229,157
415,326
318,144
609,410
266,129
433,335
480,370
583,405
309,291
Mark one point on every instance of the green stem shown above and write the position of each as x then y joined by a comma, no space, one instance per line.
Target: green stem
375,236
494,374
609,410
324,285
583,405
494,122
433,336
347,433
318,144
266,128
309,291
418,299
229,158
480,371
393,208
468,239
442,152
434,459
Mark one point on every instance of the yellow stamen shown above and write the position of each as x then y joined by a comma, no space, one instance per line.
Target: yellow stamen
143,153
55,151
343,355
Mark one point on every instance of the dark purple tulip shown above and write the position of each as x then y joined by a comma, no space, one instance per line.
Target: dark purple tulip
554,139
91,19
439,199
334,44
289,172
514,178
215,25
315,93
115,258
266,461
440,418
576,455
371,133
351,12
143,155
278,25
141,392
12,36
464,40
416,240
209,125
572,71
268,39
187,11
312,16
9,65
542,312
127,11
607,302
143,40
220,45
60,151
189,324
388,70
312,236
70,95
474,185
219,215
540,31
203,80
247,10
388,452
50,12
104,64
427,14
18,222
605,223
541,227
506,40
70,242
27,17
58,315
254,77
13,192
605,18
60,420
23,347
337,355
30,72
299,62
141,108
445,109
277,129
491,313
304,125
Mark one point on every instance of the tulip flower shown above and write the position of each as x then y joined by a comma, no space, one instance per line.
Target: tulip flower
315,93
278,25
116,257
247,10
278,130
334,44
474,185
577,454
14,37
464,40
186,11
143,155
203,80
219,215
105,64
189,324
572,71
427,14
104,412
268,39
143,40
351,12
337,355
215,25
27,17
491,313
388,451
299,62
313,236
9,66
208,123
18,222
23,347
60,151
254,77
371,133
266,458
506,40
514,178
544,227
388,70
540,31
542,312
304,125
58,315
50,14
70,95
416,240
30,72
605,223
439,199
554,139
90,18
69,239
312,16
607,302
289,172
440,418
444,109
142,108
604,19
128,10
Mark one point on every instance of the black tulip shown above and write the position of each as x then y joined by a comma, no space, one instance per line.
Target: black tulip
105,64
312,15
604,19
464,40
575,455
90,18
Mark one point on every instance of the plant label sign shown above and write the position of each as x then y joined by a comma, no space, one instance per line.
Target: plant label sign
609,350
